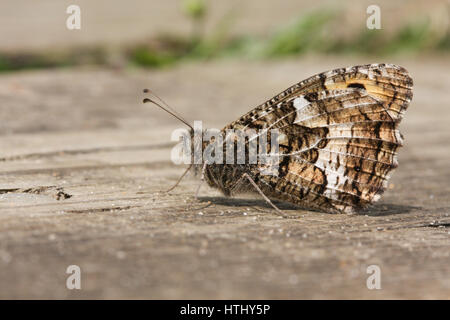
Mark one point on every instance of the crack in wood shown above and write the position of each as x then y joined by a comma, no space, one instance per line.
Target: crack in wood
57,192
104,209
432,224
86,151
88,167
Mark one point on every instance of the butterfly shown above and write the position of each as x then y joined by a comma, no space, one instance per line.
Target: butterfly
337,140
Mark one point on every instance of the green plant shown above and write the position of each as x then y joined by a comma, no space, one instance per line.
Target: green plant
196,11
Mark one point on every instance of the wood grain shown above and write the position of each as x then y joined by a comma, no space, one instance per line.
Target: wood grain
82,164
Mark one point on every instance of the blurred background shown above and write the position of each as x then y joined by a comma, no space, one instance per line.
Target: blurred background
157,34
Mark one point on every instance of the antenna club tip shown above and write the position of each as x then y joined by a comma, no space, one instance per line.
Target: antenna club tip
146,100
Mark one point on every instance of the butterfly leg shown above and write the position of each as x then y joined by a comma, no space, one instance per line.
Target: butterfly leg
178,181
278,211
202,178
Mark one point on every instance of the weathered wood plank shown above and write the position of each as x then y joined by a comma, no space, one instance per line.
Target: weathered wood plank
131,241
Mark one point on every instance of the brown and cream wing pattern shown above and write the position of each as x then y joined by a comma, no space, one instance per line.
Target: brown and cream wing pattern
339,136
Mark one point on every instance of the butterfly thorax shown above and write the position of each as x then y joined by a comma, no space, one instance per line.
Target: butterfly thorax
221,174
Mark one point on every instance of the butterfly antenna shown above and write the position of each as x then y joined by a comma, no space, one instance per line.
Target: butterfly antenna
162,101
165,107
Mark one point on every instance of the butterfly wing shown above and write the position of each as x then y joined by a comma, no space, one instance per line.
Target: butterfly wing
338,136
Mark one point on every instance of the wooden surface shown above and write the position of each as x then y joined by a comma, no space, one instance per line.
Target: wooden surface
82,163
